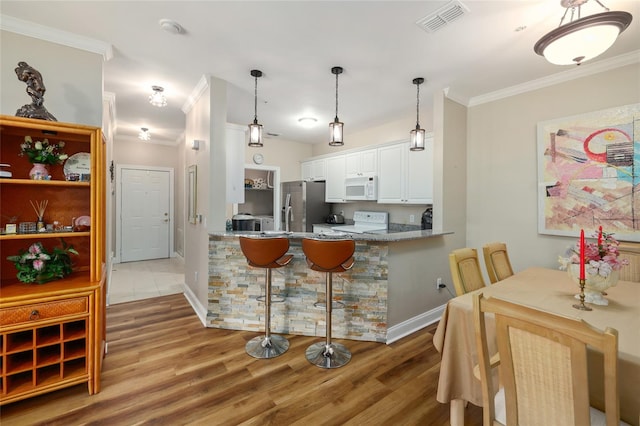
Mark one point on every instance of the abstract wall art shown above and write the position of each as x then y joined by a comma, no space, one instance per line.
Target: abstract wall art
589,173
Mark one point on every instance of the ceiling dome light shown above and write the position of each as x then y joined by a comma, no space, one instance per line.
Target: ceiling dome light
307,122
582,39
157,97
144,134
171,26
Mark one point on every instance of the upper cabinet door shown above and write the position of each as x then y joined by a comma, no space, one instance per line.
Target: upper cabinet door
362,163
314,170
235,143
405,177
335,190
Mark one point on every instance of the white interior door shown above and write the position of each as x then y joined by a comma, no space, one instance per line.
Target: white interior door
145,214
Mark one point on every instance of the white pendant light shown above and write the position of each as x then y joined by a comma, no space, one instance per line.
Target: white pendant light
584,38
417,134
336,128
255,129
157,98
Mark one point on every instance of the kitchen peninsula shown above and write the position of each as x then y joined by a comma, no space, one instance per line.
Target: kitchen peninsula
379,288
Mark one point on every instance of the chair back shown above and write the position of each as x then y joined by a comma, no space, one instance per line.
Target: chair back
264,252
329,255
497,261
543,364
465,270
630,252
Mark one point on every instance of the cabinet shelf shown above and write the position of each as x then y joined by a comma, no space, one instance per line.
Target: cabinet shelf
11,181
41,235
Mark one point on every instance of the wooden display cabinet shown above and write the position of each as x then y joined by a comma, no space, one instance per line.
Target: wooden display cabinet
52,335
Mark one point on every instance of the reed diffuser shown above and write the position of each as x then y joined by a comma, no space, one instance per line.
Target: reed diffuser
39,207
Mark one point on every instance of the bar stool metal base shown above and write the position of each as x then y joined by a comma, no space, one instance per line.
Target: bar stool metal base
267,347
333,355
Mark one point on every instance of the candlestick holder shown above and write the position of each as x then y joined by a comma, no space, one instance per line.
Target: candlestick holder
581,306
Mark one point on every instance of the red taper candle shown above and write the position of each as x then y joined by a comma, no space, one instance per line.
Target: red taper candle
599,237
582,254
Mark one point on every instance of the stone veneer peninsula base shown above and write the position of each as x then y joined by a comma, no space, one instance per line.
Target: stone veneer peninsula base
234,287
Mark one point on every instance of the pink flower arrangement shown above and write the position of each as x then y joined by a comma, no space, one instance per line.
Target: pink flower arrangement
601,255
37,265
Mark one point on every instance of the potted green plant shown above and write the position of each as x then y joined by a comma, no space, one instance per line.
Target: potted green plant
37,265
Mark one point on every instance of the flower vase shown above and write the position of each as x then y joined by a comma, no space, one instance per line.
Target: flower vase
594,285
39,172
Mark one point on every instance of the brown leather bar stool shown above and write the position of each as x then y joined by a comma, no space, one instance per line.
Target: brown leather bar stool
266,253
328,256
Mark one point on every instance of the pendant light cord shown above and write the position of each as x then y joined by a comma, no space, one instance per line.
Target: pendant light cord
336,119
418,106
255,101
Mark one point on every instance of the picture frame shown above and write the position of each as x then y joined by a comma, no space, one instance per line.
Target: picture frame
589,173
192,194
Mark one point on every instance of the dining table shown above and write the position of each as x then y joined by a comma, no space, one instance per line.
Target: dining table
551,291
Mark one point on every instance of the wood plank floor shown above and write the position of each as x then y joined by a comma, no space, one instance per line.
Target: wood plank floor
165,368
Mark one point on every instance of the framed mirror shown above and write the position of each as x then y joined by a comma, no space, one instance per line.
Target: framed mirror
192,193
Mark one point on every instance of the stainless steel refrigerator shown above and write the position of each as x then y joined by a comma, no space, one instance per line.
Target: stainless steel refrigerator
303,205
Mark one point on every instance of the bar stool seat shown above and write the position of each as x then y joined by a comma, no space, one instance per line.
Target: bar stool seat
329,256
267,253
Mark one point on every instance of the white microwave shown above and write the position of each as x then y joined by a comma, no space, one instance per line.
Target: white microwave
361,188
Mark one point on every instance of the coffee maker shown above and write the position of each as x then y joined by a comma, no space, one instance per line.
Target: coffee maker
427,218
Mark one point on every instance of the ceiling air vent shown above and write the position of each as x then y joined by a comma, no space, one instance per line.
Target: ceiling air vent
443,16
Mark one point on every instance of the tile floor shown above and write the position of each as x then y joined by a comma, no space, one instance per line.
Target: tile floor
145,279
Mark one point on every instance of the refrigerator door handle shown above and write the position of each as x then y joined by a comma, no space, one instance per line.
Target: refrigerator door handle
288,217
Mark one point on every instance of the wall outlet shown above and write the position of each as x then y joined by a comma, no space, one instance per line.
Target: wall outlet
412,218
439,284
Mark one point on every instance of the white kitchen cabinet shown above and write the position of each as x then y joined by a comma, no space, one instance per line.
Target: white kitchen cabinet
335,189
234,148
314,170
362,163
404,176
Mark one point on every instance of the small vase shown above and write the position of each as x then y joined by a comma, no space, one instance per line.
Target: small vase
39,172
594,285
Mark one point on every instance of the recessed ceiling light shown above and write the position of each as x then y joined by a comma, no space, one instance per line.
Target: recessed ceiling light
307,121
171,26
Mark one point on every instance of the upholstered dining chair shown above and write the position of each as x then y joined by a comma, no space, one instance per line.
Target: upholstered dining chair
630,252
465,270
543,366
496,259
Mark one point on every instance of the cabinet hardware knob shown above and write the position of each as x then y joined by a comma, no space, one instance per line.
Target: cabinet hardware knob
34,315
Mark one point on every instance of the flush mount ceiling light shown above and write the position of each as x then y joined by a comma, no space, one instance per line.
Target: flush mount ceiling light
417,134
157,97
307,121
255,129
144,134
583,39
171,26
336,127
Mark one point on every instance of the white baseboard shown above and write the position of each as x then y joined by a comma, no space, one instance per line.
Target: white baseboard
200,310
414,324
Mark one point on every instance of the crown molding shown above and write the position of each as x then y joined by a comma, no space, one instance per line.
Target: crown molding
561,77
30,29
197,91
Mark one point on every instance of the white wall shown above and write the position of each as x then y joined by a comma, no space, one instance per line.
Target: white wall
502,163
73,78
283,153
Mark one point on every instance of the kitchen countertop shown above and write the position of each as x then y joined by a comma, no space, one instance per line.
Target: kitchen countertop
391,236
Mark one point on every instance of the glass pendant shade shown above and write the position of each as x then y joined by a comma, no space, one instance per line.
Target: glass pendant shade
417,139
335,133
255,134
583,39
144,134
255,129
